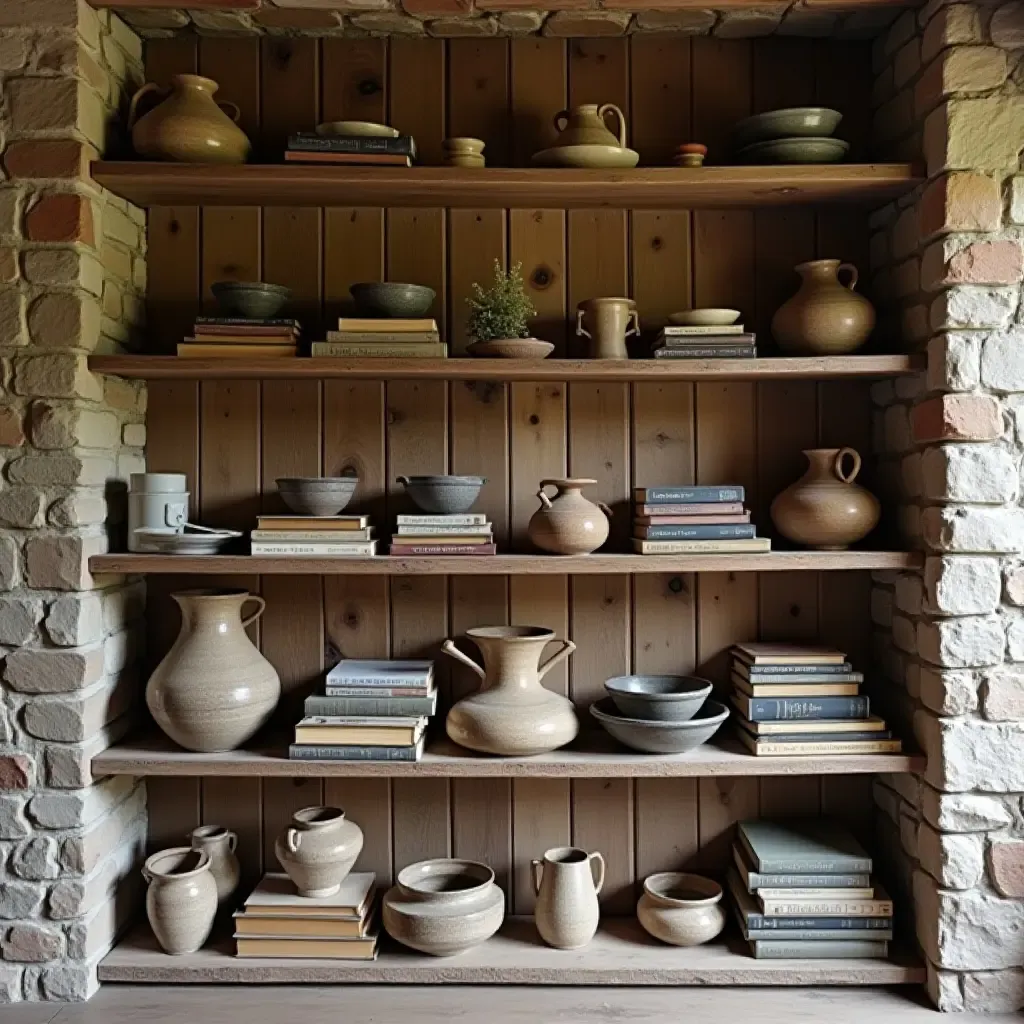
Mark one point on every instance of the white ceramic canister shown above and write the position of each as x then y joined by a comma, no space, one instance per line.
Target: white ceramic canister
156,501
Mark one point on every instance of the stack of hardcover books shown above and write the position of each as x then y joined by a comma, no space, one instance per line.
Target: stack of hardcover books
730,342
368,711
310,148
235,337
313,536
467,534
693,520
277,922
802,889
803,700
396,338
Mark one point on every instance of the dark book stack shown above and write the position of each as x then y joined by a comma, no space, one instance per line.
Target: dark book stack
693,520
393,337
235,337
368,711
803,700
372,150
802,889
729,342
468,533
295,536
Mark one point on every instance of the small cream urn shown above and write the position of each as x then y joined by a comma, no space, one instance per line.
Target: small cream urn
319,849
569,524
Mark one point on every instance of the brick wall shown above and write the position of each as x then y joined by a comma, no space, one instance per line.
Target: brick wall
948,269
72,272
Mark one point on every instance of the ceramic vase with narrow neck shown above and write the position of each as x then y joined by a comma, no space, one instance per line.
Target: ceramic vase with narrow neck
584,125
319,849
512,714
567,883
219,843
607,323
569,524
181,901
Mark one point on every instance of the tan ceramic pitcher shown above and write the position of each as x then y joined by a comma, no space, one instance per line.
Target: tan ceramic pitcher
584,125
607,323
567,888
569,524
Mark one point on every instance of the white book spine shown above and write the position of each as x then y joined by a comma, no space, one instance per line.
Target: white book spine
328,550
425,530
465,519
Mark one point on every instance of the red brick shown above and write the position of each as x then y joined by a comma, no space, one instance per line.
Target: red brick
12,431
46,158
15,772
957,418
962,201
987,263
1006,866
61,218
437,8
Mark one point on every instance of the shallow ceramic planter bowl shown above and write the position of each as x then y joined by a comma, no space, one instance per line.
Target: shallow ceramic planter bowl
681,909
363,129
795,151
658,698
705,317
587,156
252,299
443,495
166,541
390,299
660,737
511,348
790,122
317,495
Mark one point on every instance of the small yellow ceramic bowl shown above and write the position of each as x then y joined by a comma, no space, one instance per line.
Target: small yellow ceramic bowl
705,317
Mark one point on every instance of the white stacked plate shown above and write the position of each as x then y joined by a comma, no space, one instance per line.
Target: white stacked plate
795,135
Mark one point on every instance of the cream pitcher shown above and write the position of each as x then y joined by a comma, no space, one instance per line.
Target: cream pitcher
567,887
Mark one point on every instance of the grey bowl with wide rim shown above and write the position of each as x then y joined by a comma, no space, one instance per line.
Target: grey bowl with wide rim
658,698
660,737
317,495
443,495
788,122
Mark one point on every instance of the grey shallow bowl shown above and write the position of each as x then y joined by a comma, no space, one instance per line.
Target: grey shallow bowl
661,737
317,495
795,151
658,698
252,299
167,541
389,299
789,122
443,495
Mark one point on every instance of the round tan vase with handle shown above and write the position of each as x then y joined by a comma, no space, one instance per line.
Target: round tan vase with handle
319,849
213,690
567,883
181,901
569,524
607,322
825,317
825,509
584,125
512,714
219,843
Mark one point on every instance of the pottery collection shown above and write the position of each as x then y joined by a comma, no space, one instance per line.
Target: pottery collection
825,509
318,849
568,524
607,323
512,713
219,844
444,907
181,898
188,125
567,882
825,316
681,909
213,690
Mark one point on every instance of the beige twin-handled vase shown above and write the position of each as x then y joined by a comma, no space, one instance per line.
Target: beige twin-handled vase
607,322
567,882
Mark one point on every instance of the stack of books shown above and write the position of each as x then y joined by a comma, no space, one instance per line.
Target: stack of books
693,520
803,700
368,711
277,922
467,534
313,536
802,889
235,337
364,337
731,342
310,148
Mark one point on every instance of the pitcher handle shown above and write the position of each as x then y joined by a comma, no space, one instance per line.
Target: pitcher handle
146,875
604,109
235,113
838,465
292,838
854,275
581,331
544,499
596,858
133,107
567,648
246,622
449,648
537,872
558,117
232,841
633,323
605,509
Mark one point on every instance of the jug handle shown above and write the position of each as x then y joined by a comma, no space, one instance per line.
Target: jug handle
146,875
596,858
558,117
838,465
581,331
544,499
449,648
235,113
232,841
256,614
567,648
605,509
291,839
854,276
634,323
604,109
133,107
537,870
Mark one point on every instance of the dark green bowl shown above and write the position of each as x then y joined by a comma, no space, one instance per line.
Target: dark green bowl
390,299
251,299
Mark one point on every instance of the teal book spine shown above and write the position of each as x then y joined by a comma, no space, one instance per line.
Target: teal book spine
310,752
369,707
854,949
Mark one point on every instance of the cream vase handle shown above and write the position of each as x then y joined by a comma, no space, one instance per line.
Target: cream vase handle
605,509
292,838
581,331
449,648
235,111
596,858
545,501
146,875
567,648
854,275
558,117
537,871
232,841
246,622
838,465
633,323
133,107
604,109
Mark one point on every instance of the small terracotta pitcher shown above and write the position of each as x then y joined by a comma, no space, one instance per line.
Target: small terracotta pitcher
567,888
585,126
607,323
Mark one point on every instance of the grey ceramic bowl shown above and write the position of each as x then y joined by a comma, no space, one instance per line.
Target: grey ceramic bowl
788,122
661,737
317,495
658,698
251,299
795,151
390,299
443,495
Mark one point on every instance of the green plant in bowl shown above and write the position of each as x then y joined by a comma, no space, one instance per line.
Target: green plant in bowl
502,311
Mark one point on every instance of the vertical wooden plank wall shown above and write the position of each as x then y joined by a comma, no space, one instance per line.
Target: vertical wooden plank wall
234,438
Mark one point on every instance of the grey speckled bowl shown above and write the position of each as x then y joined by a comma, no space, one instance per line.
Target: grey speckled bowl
661,737
443,495
252,299
317,495
391,299
658,698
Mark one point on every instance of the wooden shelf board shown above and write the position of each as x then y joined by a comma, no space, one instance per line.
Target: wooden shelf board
650,188
621,954
811,368
592,756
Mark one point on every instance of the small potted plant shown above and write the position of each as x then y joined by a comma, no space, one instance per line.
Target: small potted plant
500,318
